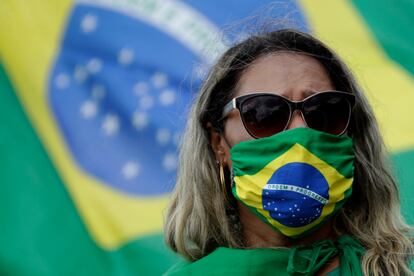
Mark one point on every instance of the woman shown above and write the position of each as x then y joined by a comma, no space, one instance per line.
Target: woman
282,169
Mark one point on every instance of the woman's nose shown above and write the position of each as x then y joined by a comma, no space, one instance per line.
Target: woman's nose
296,120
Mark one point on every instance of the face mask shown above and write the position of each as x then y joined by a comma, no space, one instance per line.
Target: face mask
294,180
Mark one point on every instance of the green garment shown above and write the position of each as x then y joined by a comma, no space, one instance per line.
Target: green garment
297,261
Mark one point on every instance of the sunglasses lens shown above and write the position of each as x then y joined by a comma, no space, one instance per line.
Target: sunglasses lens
264,116
327,112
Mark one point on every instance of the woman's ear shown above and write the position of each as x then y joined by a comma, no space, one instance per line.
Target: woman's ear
217,144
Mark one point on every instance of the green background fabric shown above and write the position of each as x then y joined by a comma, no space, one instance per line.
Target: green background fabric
393,30
391,22
38,219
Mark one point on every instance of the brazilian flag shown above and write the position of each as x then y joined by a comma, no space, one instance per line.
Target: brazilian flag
93,99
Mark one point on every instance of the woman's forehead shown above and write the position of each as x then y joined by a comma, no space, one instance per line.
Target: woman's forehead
293,75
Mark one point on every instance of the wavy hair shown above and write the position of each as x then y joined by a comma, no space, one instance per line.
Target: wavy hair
199,218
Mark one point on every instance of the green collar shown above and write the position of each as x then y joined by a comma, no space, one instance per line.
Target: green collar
307,260
297,261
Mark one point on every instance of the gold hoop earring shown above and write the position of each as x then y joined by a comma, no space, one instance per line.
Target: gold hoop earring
223,180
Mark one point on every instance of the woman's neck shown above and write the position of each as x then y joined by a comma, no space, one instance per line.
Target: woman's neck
258,234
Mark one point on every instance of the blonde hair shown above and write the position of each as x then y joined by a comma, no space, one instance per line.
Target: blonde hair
199,219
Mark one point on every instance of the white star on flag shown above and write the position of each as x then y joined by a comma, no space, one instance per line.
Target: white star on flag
163,136
146,102
140,88
80,74
169,162
159,80
167,97
88,109
62,81
94,65
125,56
140,120
98,92
89,23
130,170
110,124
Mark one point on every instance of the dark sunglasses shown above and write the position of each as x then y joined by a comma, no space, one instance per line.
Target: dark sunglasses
265,114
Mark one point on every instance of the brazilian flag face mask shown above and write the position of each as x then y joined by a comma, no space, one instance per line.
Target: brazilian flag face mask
294,180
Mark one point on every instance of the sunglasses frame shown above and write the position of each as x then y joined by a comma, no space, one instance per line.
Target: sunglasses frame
237,102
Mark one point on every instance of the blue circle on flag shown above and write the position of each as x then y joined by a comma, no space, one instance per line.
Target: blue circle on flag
295,194
121,83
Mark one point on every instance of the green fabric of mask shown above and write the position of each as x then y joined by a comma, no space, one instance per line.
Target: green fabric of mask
294,180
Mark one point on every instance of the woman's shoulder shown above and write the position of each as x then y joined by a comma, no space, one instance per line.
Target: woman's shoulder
223,260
